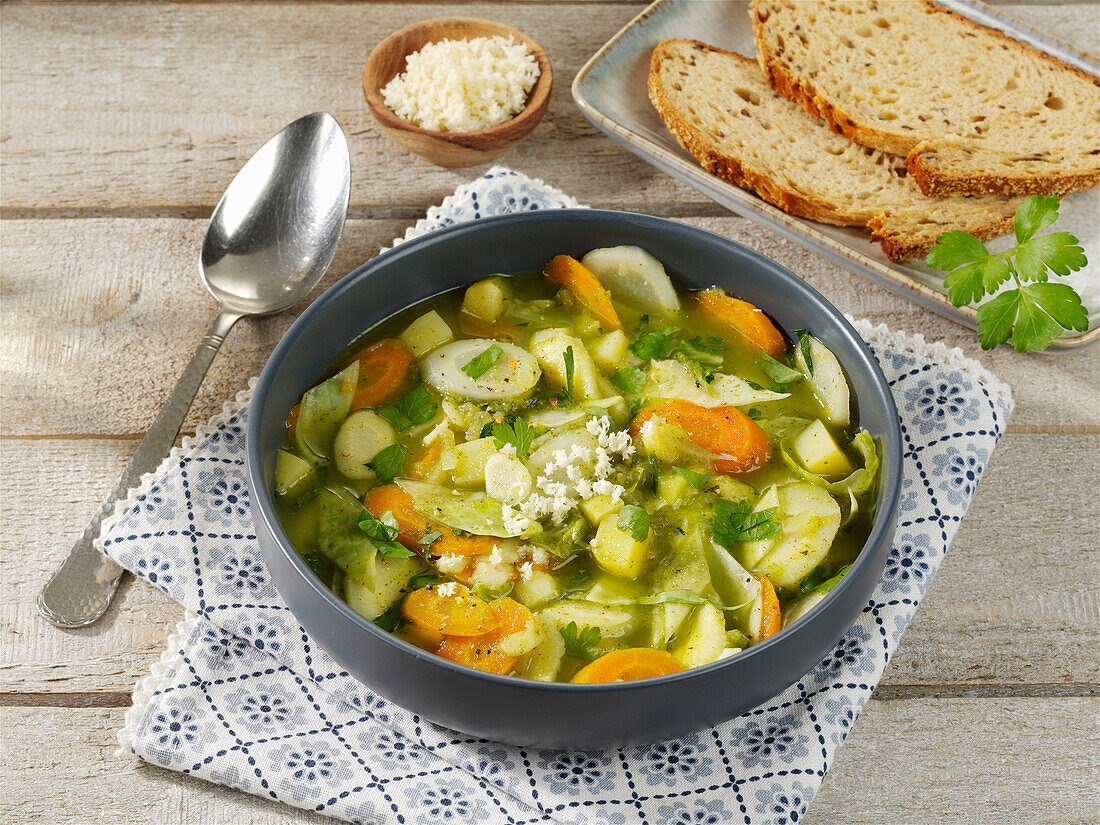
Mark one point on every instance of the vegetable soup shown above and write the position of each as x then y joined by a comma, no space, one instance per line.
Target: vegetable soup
580,474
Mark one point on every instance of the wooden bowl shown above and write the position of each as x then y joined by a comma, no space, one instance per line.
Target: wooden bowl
451,148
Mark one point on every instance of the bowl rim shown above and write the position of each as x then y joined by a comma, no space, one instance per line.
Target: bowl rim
891,477
537,98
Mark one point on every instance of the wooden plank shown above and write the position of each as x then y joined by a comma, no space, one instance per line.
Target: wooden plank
934,761
107,124
1010,611
94,341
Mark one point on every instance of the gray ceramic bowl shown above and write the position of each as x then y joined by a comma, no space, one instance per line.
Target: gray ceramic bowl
514,710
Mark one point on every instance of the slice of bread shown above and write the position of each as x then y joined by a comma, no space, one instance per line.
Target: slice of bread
972,110
719,108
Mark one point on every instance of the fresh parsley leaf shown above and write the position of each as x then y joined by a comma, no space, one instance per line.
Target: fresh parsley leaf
829,584
630,380
509,419
735,521
319,564
753,385
389,620
568,358
424,580
414,409
635,521
519,434
580,578
479,364
1035,213
710,351
696,480
812,580
655,344
581,643
1033,313
778,371
429,538
805,349
1059,252
389,463
383,532
753,413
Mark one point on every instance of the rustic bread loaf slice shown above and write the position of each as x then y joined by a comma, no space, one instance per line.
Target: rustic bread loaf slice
971,109
719,108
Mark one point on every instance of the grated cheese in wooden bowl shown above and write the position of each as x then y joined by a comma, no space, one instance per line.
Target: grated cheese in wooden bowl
463,85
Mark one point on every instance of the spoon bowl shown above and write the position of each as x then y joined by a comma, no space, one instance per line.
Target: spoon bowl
273,234
270,239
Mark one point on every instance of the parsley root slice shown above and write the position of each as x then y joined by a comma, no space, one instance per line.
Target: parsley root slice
456,614
490,652
412,526
741,316
627,665
771,617
383,373
574,276
735,442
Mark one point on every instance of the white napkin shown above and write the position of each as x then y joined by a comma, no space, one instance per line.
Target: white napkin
244,698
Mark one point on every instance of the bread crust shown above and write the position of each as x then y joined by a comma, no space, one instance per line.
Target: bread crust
918,153
729,168
897,246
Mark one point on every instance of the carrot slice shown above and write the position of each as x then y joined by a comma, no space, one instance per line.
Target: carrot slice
742,317
627,665
480,328
771,617
413,526
457,614
292,421
575,276
383,373
420,460
483,652
429,640
735,442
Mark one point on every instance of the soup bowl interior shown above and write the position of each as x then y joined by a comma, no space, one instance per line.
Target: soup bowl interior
513,710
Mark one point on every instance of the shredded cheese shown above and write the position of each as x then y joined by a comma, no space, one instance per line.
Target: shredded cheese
463,85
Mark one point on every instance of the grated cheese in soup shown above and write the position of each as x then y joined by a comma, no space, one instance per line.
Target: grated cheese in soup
463,85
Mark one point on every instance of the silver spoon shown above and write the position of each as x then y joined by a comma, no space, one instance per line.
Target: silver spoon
270,239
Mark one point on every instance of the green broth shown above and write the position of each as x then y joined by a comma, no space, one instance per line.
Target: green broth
416,442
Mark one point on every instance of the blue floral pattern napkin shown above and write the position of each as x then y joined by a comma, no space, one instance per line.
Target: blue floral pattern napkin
243,697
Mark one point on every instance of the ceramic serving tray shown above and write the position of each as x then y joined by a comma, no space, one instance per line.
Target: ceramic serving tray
611,91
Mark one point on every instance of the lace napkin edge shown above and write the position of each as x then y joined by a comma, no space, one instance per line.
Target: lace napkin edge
150,683
914,343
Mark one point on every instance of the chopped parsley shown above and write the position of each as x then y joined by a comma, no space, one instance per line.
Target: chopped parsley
696,480
424,580
630,380
416,408
389,620
804,348
518,433
479,364
390,462
581,643
635,521
383,532
735,521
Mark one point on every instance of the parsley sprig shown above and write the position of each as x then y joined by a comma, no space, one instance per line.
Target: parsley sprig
383,532
413,409
1033,313
581,643
516,432
389,463
735,521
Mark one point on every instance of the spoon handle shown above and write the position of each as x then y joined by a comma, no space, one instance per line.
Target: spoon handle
81,589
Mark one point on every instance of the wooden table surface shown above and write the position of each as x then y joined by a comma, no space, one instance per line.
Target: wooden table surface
122,124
